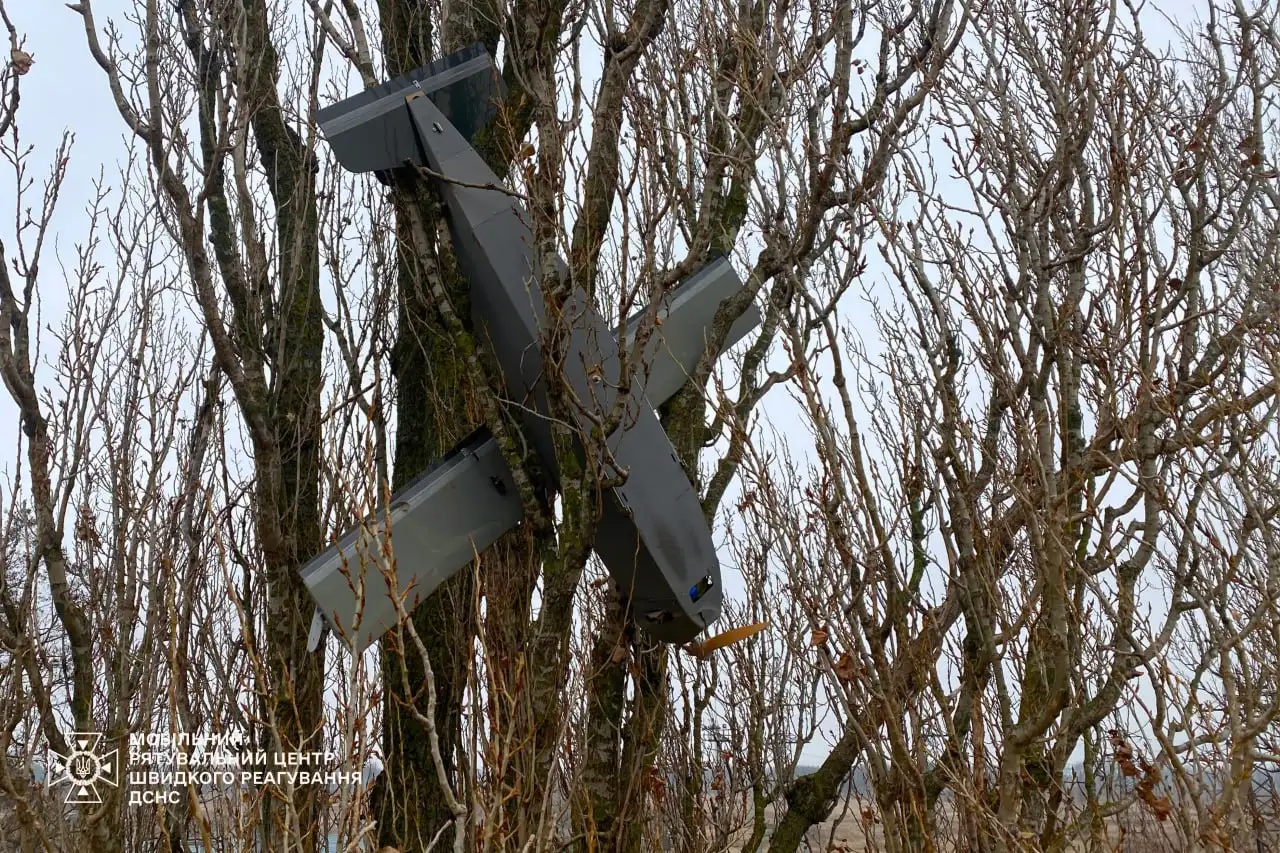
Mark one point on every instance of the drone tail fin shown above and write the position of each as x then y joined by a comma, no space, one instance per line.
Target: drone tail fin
372,131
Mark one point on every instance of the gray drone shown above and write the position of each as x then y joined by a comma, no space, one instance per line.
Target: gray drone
652,535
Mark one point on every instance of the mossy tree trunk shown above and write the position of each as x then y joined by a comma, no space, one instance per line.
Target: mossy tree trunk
436,408
275,355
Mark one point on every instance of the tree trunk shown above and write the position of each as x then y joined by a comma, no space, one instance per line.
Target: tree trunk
289,480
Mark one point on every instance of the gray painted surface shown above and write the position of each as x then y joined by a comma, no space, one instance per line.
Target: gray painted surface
465,477
457,508
372,131
652,535
686,316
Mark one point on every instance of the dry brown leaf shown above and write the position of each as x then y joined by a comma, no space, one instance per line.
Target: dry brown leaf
1161,806
86,529
1135,766
22,61
819,636
655,784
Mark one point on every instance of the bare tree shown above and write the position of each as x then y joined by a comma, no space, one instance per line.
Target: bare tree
1029,480
261,308
95,522
997,470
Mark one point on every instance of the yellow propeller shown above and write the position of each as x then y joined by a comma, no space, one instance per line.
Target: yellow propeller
700,649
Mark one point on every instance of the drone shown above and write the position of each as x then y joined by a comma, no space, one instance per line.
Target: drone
652,535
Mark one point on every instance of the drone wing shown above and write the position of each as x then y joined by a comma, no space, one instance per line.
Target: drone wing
438,523
686,317
464,502
652,535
